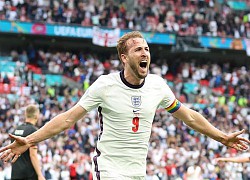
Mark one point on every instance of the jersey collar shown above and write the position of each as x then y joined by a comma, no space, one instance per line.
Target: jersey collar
128,84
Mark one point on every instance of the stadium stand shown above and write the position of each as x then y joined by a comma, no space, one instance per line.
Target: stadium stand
187,17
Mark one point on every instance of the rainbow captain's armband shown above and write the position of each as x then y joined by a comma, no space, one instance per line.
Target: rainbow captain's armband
174,106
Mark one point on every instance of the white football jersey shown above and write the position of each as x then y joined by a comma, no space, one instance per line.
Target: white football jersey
126,114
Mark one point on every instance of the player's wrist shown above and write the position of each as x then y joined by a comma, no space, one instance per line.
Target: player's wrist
29,141
223,138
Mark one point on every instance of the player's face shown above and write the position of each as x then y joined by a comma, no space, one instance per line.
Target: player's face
138,57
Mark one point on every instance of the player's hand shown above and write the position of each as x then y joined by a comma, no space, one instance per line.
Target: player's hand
14,150
234,141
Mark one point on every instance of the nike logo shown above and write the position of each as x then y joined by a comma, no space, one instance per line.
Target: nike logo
135,110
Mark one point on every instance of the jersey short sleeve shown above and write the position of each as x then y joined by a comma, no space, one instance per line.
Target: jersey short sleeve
170,103
93,97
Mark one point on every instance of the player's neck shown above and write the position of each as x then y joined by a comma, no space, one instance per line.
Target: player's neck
31,121
131,78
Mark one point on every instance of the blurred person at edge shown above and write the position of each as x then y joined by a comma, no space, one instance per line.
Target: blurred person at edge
237,159
27,166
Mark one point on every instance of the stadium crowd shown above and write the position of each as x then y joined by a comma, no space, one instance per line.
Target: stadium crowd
220,92
185,17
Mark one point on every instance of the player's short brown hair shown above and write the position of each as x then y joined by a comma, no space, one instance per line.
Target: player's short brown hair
121,44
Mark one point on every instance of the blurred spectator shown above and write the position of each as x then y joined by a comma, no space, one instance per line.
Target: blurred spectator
194,172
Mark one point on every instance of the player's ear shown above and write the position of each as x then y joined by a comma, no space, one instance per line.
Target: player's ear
37,116
123,58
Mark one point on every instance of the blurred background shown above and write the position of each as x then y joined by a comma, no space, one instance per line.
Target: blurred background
51,51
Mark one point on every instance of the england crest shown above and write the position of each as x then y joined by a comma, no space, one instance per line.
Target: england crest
136,101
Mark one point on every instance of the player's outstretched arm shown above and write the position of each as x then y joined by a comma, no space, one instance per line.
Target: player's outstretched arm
196,121
233,159
56,125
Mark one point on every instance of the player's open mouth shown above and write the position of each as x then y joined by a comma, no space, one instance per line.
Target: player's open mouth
143,64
